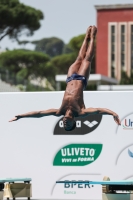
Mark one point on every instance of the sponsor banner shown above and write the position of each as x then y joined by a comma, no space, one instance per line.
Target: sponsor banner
125,154
76,191
77,154
127,122
130,153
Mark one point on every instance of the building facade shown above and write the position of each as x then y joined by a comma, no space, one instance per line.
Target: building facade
114,52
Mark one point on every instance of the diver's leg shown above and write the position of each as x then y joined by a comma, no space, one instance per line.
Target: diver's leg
82,53
85,67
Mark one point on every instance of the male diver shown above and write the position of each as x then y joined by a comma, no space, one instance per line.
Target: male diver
73,104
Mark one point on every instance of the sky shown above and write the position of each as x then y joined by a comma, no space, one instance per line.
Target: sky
64,19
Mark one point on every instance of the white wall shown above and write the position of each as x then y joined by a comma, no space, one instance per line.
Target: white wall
28,146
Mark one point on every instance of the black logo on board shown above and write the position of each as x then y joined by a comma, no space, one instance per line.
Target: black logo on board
84,125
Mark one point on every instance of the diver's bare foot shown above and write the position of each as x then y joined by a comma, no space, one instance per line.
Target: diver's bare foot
93,32
88,32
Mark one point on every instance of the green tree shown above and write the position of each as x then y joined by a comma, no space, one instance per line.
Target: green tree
125,79
52,46
76,42
62,62
67,49
17,18
25,64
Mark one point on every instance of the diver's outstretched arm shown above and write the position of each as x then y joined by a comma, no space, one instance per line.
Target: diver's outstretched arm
103,111
37,114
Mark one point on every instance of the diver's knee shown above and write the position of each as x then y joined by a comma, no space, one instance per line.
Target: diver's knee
88,58
79,58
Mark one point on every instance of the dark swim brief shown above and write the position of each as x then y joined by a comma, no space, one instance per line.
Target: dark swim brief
77,77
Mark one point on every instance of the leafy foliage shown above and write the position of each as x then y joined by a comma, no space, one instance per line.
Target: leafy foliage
76,42
62,63
26,63
52,46
16,17
125,80
67,49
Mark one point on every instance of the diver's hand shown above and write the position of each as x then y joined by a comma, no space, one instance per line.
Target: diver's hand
116,118
14,119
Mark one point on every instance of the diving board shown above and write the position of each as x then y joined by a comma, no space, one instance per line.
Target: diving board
123,182
11,180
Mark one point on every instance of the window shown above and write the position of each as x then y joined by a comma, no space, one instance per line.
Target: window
112,51
131,47
122,32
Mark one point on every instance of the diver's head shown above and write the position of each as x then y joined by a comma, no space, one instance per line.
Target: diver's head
68,121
